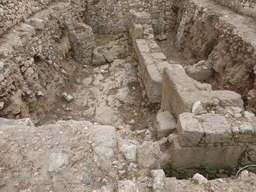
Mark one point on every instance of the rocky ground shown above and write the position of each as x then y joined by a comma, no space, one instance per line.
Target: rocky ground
99,137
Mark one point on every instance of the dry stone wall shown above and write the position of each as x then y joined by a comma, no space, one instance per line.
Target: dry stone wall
112,16
13,12
34,59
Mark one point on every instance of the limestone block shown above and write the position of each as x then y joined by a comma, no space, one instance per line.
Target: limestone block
153,84
25,121
159,56
191,157
38,24
189,129
149,154
129,152
142,46
142,18
137,31
216,128
180,92
165,124
154,48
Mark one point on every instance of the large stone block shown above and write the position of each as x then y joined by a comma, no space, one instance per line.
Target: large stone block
180,92
216,128
194,157
189,129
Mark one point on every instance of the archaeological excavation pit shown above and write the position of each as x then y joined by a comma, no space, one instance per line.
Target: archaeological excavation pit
116,91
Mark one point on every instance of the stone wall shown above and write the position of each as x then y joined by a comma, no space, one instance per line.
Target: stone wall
13,12
34,59
220,38
151,59
247,7
112,16
212,127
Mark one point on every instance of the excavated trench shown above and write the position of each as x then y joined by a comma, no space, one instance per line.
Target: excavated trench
111,93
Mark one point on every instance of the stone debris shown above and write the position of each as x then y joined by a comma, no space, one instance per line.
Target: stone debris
165,124
198,108
199,179
129,152
57,161
67,97
87,179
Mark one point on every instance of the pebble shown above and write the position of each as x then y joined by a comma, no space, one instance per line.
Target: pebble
87,179
67,97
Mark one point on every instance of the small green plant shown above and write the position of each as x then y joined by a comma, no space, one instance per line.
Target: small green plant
215,144
195,181
38,168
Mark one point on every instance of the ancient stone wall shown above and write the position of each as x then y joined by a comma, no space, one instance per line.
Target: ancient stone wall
221,39
13,12
34,58
112,16
247,7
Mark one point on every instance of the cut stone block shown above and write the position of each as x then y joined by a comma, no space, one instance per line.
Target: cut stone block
180,92
189,129
165,124
216,128
194,157
142,18
142,46
153,84
137,31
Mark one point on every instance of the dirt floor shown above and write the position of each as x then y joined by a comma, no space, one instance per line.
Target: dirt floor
111,90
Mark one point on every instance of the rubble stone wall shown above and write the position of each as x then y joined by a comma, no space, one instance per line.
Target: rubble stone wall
112,16
208,31
247,7
34,59
13,12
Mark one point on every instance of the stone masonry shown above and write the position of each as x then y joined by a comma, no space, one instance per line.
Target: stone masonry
151,60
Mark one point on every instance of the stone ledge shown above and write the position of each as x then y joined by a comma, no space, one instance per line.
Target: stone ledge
180,92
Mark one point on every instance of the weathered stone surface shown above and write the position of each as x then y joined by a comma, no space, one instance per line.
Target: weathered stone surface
200,71
189,129
158,183
106,115
216,128
199,178
149,154
127,186
25,121
215,156
165,124
109,56
98,57
197,108
129,152
180,92
57,161
38,24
